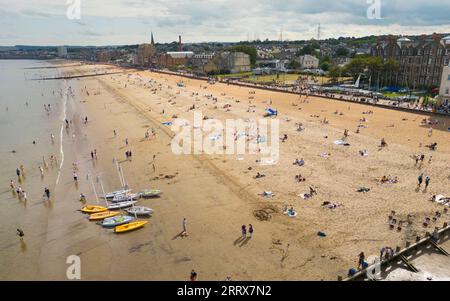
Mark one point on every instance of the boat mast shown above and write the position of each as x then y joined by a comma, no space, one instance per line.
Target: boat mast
118,171
134,209
93,187
99,180
125,184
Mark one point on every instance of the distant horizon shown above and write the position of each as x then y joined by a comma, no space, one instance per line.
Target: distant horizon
226,42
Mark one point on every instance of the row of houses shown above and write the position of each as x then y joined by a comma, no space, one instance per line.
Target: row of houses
208,63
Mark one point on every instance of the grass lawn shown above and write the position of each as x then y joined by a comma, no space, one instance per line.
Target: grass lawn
283,78
394,94
242,74
288,78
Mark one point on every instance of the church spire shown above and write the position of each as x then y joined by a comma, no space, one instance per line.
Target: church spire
153,41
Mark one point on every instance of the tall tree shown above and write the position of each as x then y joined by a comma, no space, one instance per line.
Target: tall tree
356,67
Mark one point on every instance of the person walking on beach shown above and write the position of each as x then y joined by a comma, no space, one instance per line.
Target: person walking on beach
115,133
18,173
126,141
41,170
92,155
193,275
184,233
250,230
24,195
47,193
420,179
20,234
427,181
430,132
361,258
75,177
11,184
244,231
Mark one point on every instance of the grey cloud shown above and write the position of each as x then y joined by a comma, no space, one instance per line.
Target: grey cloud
91,33
33,13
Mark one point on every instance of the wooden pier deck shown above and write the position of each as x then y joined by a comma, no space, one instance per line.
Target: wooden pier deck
406,255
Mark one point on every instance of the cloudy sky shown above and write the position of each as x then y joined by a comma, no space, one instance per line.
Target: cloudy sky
113,22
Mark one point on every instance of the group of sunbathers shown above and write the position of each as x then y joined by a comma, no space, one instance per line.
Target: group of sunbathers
298,162
330,205
299,178
432,146
389,180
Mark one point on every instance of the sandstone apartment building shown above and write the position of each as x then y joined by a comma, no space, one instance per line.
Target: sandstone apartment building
421,60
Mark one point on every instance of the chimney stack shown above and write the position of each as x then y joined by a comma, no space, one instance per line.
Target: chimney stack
180,46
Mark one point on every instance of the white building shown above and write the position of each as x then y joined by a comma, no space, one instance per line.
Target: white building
308,62
180,54
204,56
444,91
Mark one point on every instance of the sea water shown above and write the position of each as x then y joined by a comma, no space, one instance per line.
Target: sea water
25,139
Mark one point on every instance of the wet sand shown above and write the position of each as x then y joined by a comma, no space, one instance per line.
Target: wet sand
217,194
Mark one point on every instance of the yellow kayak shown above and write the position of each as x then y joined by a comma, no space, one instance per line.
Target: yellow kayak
130,226
93,209
103,215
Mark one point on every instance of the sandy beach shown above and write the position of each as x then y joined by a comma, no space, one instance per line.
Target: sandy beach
219,193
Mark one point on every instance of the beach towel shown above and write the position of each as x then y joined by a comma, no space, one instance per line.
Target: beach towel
305,196
267,194
265,161
363,189
341,142
290,213
364,153
440,199
215,137
261,139
332,206
271,112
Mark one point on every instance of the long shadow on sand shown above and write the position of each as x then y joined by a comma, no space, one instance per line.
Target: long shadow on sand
241,241
180,235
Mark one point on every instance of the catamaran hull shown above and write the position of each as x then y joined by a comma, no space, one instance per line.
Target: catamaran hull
111,195
116,221
144,211
121,205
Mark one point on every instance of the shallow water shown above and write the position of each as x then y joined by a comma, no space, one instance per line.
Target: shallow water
20,125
